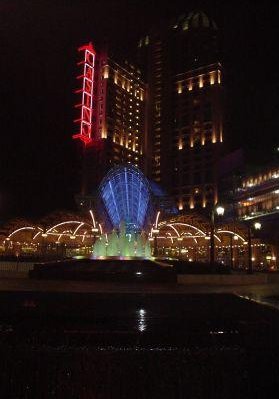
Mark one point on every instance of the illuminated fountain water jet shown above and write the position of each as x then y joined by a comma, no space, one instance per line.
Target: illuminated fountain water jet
122,244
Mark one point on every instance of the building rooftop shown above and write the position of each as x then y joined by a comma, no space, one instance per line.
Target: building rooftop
195,20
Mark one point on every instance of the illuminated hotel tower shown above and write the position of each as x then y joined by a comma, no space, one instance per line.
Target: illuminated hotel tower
185,110
111,109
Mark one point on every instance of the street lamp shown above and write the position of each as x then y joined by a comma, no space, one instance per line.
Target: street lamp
257,226
220,212
155,231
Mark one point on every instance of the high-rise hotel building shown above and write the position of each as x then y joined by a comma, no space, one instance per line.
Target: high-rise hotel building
111,109
185,108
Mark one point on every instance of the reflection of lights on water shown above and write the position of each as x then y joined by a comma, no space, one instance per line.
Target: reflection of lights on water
141,320
138,348
224,332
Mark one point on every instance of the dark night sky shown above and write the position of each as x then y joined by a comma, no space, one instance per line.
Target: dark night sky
38,160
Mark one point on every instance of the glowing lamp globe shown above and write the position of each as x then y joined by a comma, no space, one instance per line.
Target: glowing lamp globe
220,210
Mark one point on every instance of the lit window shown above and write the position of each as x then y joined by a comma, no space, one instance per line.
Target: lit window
106,72
192,204
219,76
179,88
221,135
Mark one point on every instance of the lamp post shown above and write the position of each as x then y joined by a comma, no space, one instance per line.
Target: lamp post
155,232
94,231
257,226
44,247
231,252
232,238
220,211
179,239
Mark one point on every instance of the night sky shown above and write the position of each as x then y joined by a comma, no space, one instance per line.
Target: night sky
39,169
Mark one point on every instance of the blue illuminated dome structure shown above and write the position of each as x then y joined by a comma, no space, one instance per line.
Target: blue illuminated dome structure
125,193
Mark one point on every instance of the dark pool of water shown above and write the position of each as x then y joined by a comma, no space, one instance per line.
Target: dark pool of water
136,346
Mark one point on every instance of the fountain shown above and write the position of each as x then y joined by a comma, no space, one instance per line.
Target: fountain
123,244
125,196
124,253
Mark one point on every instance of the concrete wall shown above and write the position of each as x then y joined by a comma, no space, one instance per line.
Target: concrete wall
15,269
21,269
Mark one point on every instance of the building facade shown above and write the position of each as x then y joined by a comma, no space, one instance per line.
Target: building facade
117,132
181,65
258,195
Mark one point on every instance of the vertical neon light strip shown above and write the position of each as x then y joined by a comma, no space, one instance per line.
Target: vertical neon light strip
87,91
114,202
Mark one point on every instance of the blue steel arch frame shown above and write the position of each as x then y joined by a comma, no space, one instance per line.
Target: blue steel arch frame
125,193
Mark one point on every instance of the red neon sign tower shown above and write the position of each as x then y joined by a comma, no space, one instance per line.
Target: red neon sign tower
86,91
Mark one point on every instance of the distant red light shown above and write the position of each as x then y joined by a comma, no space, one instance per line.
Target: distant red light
86,102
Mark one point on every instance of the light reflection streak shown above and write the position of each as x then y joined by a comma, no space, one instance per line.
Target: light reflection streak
141,313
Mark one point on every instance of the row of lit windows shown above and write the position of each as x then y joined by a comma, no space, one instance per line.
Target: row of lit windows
272,196
122,137
129,157
260,179
120,161
128,145
123,102
264,206
131,70
199,82
125,115
198,140
191,204
125,83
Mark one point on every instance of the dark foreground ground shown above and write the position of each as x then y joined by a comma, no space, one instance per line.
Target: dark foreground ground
137,345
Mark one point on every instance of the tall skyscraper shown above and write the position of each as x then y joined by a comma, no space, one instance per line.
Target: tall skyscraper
181,64
111,109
